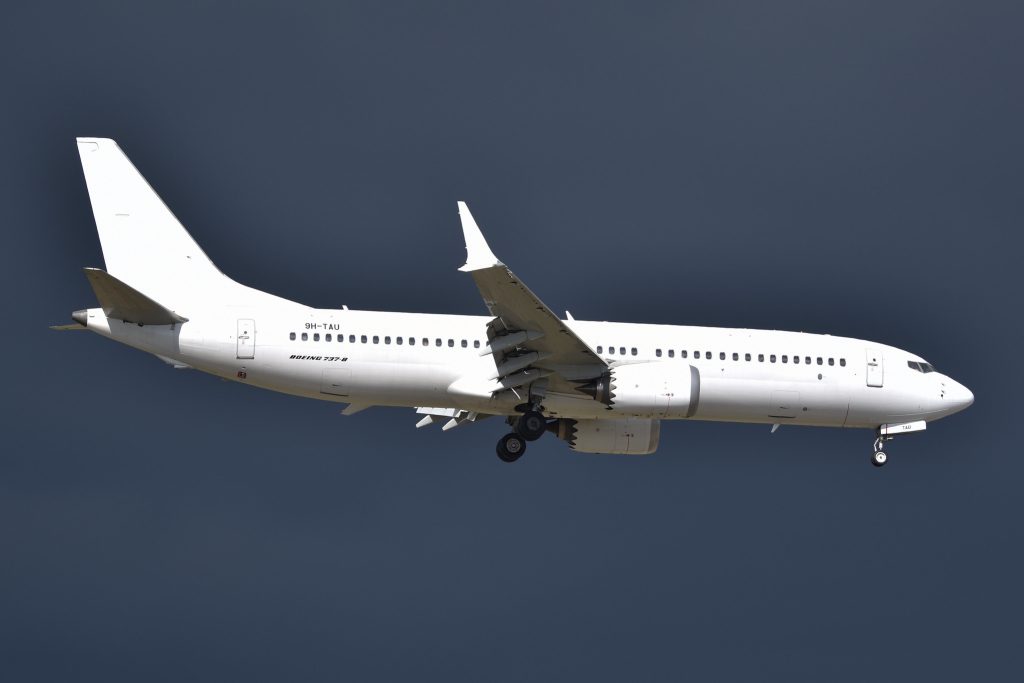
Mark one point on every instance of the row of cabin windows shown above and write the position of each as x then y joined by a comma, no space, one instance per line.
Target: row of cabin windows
600,349
722,356
364,339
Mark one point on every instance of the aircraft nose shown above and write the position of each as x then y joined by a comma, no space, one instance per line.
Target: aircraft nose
959,395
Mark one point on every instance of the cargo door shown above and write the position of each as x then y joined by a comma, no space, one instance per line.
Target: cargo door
246,339
336,381
784,404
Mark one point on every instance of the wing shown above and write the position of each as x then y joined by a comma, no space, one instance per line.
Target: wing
528,341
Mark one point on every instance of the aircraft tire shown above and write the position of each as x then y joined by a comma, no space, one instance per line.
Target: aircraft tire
511,447
531,425
879,458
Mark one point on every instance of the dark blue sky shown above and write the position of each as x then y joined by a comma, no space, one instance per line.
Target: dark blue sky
851,168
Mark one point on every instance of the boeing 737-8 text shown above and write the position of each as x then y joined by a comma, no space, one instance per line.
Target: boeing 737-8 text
602,387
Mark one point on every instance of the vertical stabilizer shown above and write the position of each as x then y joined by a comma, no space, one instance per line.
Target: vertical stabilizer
143,244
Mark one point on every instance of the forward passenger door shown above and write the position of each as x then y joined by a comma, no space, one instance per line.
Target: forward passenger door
876,368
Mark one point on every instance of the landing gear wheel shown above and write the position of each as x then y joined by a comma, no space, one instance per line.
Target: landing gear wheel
511,447
879,458
531,425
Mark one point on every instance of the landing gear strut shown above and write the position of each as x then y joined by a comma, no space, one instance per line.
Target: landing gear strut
511,447
879,458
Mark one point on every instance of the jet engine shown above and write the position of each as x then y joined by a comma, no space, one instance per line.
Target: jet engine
630,436
658,389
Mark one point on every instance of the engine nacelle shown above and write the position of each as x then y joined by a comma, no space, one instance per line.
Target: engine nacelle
656,390
630,436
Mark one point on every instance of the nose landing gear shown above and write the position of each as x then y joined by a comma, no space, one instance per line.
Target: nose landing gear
879,458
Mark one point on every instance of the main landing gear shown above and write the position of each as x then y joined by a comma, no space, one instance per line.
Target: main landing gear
529,426
879,458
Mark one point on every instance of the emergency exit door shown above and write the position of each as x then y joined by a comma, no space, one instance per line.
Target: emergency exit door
876,368
246,339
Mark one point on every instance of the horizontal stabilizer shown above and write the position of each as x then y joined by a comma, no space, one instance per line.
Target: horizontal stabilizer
121,302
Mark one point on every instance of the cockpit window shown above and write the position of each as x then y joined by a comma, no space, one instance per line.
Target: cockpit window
920,366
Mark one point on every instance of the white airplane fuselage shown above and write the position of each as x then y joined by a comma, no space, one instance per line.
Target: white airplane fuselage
739,380
601,386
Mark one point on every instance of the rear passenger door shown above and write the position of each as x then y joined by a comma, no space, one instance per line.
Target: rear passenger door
246,338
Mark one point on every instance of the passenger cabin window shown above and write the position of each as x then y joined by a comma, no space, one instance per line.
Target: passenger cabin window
476,343
352,338
622,350
316,336
696,355
305,336
831,361
735,356
399,340
707,354
387,340
451,343
437,342
657,352
819,360
465,344
807,360
327,337
760,357
291,336
611,350
682,354
376,339
412,341
632,351
796,360
785,358
362,338
842,362
746,356
721,355
773,357
600,349
672,353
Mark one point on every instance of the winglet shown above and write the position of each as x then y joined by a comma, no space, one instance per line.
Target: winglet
478,254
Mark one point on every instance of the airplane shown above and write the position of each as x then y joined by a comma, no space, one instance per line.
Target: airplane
604,387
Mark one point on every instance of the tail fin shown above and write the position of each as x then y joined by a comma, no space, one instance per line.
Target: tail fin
143,244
